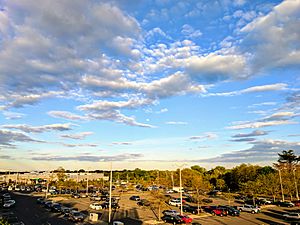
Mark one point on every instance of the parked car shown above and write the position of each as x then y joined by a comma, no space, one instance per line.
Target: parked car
114,205
171,212
65,211
230,210
56,207
215,211
96,206
76,195
249,208
285,204
135,198
190,209
76,216
174,202
186,219
40,201
172,219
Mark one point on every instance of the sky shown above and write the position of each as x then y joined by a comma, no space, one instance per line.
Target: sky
155,84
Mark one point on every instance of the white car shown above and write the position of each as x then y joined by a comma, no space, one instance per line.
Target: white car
175,202
96,206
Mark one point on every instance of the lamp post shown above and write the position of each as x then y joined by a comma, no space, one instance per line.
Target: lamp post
180,186
180,191
280,180
296,185
110,190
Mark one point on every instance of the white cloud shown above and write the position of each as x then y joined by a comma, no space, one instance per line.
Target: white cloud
39,129
66,115
254,89
217,67
13,115
205,136
7,138
77,136
190,32
278,28
259,124
254,133
176,123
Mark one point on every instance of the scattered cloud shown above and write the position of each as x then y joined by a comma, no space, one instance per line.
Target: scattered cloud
205,136
189,32
78,136
176,123
122,143
66,115
13,115
243,140
90,158
254,133
261,151
7,138
255,89
79,145
39,129
260,124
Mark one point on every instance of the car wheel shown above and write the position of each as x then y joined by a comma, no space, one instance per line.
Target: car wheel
252,212
221,215
213,213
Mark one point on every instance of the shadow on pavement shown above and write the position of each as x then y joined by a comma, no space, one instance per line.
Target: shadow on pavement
265,221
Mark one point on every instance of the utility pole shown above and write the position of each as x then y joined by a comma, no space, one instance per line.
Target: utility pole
110,190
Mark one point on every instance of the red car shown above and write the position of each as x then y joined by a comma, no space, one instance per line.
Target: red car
186,219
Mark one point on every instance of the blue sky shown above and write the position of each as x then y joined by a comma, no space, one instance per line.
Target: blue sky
149,84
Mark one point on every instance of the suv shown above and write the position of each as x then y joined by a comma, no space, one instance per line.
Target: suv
216,211
172,219
230,210
190,209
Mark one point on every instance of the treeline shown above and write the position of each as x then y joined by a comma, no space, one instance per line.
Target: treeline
279,181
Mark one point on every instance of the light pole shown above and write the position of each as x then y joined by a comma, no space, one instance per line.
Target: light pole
110,189
87,184
296,185
280,180
180,191
180,186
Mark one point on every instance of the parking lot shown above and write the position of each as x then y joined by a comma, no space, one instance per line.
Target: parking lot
130,213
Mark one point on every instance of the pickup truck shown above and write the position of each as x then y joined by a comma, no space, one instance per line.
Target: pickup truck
249,208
